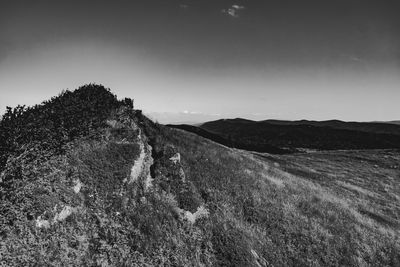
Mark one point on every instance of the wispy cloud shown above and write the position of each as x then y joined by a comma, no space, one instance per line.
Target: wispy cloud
237,7
233,11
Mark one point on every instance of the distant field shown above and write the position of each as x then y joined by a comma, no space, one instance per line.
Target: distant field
369,179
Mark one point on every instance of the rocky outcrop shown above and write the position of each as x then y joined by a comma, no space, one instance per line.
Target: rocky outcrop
170,178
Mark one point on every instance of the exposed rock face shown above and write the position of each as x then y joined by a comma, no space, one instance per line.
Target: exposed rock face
40,223
170,177
141,168
122,124
77,187
58,217
139,164
64,214
139,180
201,212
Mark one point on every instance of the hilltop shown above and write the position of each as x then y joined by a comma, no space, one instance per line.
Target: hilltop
86,179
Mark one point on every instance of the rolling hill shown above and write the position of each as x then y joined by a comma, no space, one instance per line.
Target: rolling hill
369,127
327,135
266,148
87,180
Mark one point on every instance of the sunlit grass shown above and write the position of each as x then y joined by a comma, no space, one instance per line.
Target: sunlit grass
300,211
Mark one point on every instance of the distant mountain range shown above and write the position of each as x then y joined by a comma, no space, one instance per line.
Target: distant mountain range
371,127
279,136
394,122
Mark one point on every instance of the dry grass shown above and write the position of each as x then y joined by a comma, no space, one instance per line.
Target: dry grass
319,209
233,208
370,180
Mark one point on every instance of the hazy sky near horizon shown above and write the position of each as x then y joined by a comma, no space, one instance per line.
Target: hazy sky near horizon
187,59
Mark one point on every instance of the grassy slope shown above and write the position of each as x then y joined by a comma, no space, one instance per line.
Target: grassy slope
262,214
369,179
114,223
46,187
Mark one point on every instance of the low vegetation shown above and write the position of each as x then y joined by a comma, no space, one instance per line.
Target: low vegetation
265,213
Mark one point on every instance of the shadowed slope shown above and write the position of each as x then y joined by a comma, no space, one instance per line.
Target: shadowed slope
305,134
234,143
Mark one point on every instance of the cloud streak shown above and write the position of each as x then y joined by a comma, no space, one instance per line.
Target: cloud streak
233,11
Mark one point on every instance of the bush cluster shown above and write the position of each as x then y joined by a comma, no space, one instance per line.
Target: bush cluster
57,121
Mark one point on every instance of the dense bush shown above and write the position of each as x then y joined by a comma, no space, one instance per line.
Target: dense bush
56,121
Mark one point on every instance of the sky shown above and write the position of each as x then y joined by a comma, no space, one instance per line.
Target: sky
198,60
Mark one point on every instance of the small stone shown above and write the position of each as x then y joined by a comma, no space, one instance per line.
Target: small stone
201,212
40,223
175,158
